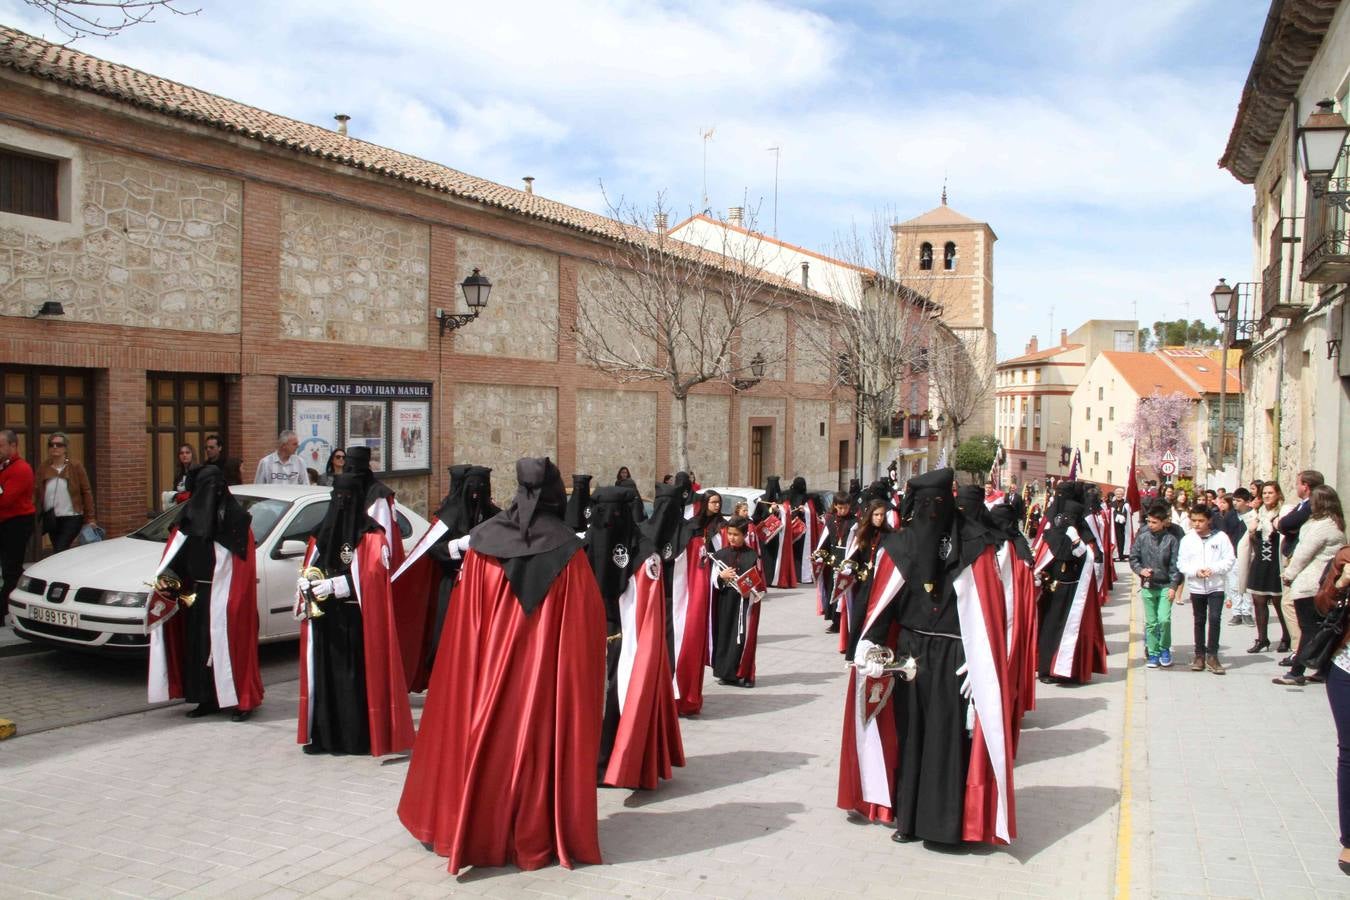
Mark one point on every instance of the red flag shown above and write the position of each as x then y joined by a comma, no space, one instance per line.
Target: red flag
1132,498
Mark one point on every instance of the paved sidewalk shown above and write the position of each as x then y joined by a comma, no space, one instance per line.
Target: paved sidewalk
155,805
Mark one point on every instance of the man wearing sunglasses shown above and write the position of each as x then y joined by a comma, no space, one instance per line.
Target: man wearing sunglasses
16,514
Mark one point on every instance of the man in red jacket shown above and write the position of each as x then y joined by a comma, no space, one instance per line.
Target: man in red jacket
16,514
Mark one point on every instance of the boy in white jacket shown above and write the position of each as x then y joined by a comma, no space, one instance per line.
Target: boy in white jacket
1205,557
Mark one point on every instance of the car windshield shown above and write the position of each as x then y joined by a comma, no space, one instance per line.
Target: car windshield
266,513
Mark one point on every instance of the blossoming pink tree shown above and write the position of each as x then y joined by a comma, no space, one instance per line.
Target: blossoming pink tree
1161,423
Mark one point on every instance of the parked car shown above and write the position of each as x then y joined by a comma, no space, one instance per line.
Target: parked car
93,597
733,495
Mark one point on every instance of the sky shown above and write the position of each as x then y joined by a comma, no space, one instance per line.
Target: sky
1085,132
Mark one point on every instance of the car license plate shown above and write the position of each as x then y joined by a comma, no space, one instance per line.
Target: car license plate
54,616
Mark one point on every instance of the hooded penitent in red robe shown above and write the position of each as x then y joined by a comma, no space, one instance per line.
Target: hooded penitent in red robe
504,770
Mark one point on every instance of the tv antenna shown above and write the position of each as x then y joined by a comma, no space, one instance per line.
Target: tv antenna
777,154
707,136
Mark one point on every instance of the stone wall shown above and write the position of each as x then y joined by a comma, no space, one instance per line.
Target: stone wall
521,318
810,450
760,407
709,443
599,291
352,276
496,424
767,334
412,493
812,360
616,428
148,245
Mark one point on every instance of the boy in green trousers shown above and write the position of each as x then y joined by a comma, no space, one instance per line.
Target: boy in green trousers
1154,559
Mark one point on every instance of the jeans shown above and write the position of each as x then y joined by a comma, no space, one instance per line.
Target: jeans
14,535
1338,694
1207,607
1157,619
66,531
1305,608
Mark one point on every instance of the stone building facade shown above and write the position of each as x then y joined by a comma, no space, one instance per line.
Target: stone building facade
226,270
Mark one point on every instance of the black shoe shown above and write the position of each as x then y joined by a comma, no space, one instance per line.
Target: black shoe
833,629
1287,661
241,715
312,749
202,709
1282,646
1259,647
903,837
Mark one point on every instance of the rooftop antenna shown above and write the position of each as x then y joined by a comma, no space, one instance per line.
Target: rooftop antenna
944,188
777,153
1052,325
707,136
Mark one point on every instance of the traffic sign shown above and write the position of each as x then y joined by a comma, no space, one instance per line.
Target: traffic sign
1168,468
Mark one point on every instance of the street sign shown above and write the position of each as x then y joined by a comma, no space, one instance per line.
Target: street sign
1168,468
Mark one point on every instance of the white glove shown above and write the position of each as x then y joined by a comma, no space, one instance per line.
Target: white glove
341,587
868,668
967,689
1072,534
458,546
321,589
1080,549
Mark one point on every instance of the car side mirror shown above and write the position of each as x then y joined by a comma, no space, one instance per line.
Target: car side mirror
290,550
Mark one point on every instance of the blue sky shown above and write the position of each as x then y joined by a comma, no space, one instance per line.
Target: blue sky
1086,133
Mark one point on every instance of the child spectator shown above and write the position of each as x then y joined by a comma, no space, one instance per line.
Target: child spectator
1204,558
1154,559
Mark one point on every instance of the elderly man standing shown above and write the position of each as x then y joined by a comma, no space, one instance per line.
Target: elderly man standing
16,514
283,466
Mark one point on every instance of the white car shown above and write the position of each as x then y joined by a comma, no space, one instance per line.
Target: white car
93,596
733,495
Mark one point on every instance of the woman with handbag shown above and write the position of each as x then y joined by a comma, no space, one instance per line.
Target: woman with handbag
1318,540
64,494
1331,602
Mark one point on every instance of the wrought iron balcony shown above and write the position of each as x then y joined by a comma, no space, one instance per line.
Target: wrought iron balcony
1327,259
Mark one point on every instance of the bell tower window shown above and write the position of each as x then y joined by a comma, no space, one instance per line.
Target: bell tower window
949,256
926,256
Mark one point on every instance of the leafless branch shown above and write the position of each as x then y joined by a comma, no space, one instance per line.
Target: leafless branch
103,18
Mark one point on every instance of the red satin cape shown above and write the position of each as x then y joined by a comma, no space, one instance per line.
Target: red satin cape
504,766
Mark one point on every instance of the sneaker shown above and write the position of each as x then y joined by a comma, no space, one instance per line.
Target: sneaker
1251,620
1152,662
1235,620
1165,658
1213,664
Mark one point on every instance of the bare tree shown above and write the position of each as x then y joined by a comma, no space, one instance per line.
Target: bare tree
961,373
659,309
880,329
104,18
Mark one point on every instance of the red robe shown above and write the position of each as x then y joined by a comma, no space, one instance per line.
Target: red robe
389,714
416,584
1021,581
504,768
691,615
234,635
647,743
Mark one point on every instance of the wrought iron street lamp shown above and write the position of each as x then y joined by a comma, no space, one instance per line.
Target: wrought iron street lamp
756,370
476,290
1223,296
1321,141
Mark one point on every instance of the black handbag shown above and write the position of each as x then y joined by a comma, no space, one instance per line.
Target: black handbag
1317,651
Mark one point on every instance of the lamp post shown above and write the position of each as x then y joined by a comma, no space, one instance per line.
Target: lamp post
756,372
1222,295
476,290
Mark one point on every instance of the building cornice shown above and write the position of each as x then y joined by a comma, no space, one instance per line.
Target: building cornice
1292,35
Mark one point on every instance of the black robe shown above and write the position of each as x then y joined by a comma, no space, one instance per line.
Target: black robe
734,626
836,545
1057,596
195,564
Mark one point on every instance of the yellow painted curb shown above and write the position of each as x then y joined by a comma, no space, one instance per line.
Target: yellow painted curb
7,729
1125,832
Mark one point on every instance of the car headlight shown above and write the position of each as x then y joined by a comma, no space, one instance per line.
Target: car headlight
124,598
30,585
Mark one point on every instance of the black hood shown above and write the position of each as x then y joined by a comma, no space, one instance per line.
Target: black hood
579,503
797,492
639,511
927,548
773,491
530,537
978,529
661,533
1005,518
358,464
469,502
212,513
343,526
684,488
612,540
1068,513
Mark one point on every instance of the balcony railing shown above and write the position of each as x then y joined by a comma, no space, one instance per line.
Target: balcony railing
1326,259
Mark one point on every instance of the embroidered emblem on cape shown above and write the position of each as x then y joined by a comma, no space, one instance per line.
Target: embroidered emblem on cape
945,546
667,552
586,514
653,567
621,556
347,554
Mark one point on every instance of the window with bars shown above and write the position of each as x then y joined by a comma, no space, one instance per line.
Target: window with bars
29,185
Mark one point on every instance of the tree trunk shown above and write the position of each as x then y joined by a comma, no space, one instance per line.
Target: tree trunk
679,414
876,450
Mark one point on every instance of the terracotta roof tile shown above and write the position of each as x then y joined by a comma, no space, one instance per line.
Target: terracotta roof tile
1201,369
941,215
1145,373
37,58
1040,355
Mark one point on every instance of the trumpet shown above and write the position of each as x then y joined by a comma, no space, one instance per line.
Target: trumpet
171,586
823,556
906,669
859,570
310,607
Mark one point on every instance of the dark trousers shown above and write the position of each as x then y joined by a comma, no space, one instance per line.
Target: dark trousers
1208,608
14,534
1338,694
64,531
1308,619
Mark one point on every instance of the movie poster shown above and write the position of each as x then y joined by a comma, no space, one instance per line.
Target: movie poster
409,438
365,428
315,424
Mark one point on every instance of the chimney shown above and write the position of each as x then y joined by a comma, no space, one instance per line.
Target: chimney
736,215
1064,337
529,184
1033,345
342,120
662,223
806,274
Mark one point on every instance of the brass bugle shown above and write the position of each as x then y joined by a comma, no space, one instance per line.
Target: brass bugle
312,608
171,586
